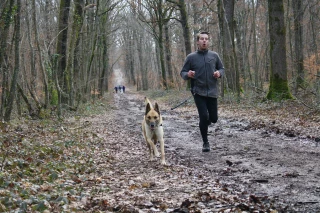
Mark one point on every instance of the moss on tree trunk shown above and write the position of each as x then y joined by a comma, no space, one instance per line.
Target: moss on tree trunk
278,89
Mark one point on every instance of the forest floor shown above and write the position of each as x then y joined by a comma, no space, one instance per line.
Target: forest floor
263,159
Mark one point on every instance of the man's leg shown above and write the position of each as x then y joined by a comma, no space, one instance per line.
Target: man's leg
212,105
201,103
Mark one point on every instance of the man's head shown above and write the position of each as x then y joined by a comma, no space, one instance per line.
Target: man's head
203,40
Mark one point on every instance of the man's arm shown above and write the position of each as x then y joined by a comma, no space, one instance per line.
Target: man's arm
185,69
220,68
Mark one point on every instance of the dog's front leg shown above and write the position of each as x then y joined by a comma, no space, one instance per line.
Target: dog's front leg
163,159
150,151
151,148
155,150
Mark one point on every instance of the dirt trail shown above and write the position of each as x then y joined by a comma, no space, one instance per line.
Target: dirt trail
246,169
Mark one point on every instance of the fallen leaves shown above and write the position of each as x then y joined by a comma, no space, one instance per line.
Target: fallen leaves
100,164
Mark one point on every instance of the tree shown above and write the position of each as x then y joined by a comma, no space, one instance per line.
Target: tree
185,27
278,88
159,14
77,22
5,22
298,42
45,78
105,28
14,80
184,23
168,56
226,16
60,62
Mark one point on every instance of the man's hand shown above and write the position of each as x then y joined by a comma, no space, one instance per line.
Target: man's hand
191,74
216,74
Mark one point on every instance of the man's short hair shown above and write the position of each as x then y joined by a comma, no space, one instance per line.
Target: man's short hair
202,32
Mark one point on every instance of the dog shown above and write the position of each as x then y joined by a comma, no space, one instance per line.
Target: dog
153,130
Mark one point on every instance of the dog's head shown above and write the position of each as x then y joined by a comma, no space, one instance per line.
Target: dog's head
152,116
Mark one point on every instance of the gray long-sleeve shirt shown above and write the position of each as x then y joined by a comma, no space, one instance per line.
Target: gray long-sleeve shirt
204,63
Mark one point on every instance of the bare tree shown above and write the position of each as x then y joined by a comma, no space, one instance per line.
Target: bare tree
314,64
181,5
168,56
158,14
5,20
14,80
226,14
298,42
77,22
61,53
278,88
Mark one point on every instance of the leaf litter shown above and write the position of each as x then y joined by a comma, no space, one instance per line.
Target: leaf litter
99,163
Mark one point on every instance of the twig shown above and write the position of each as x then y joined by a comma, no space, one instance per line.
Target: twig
310,107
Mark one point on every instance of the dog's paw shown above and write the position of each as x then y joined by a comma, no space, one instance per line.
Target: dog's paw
156,153
163,162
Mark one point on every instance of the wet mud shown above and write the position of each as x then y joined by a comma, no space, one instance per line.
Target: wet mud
260,164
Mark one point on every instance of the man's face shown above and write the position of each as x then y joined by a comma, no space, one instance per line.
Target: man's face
203,42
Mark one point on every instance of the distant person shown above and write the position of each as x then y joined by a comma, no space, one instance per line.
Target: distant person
123,88
116,89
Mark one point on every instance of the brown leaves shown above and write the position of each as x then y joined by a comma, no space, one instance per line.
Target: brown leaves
100,164
290,118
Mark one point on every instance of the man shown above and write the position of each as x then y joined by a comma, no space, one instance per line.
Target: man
204,67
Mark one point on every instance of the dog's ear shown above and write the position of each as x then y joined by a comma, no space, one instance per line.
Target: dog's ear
156,108
148,108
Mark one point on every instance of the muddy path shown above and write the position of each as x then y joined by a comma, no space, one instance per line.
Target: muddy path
260,165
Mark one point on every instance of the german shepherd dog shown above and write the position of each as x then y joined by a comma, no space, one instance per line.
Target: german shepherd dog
153,130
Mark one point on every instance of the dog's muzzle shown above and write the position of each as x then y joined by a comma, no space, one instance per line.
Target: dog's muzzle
152,126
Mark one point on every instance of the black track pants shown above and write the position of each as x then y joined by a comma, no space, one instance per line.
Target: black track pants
208,113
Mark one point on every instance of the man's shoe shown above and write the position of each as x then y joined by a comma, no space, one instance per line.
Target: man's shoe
206,147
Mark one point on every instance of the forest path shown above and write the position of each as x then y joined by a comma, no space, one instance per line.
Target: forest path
246,169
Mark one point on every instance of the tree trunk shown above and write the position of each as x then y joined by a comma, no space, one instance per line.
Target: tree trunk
45,77
278,88
26,100
256,70
89,69
184,23
61,48
161,45
32,84
226,14
168,56
298,42
131,61
72,50
5,20
142,68
162,63
185,26
14,79
103,83
241,47
314,33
